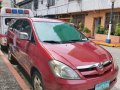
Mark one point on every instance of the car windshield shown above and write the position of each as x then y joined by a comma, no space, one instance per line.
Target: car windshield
58,32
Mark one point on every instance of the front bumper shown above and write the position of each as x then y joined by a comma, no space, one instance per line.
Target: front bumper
86,84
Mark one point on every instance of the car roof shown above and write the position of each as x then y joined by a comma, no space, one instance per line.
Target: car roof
45,20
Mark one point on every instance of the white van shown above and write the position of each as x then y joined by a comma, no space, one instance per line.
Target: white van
7,16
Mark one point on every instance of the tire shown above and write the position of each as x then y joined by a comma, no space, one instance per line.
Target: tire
37,81
4,48
10,57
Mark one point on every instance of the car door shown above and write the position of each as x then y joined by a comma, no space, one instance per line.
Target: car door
13,39
23,46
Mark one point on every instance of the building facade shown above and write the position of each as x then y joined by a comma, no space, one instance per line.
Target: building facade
90,13
6,3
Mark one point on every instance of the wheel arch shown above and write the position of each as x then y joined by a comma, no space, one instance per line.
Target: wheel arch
34,69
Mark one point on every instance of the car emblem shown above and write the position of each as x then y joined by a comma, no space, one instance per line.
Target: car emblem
100,68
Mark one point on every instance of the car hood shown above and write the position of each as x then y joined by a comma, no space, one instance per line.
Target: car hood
79,53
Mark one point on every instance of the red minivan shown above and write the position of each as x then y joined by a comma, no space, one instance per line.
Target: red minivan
58,57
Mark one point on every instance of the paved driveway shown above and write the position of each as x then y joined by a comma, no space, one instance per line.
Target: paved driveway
116,55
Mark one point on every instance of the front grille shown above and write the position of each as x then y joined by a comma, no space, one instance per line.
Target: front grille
97,75
92,71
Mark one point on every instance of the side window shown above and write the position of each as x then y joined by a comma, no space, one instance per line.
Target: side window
26,27
8,21
17,25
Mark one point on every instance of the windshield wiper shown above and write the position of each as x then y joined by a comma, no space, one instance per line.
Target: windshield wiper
76,41
52,41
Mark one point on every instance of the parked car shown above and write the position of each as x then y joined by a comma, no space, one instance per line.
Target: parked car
58,57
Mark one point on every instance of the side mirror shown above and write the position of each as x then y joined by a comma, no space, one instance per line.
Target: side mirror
23,35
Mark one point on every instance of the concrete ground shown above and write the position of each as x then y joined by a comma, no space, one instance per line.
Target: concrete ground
7,80
116,55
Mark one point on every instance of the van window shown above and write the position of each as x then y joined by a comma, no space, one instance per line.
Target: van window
8,21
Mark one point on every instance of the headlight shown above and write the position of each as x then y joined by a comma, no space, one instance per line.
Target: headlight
63,71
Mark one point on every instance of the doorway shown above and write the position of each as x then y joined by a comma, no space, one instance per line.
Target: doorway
97,22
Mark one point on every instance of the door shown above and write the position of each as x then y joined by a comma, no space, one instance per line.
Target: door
97,22
23,46
12,37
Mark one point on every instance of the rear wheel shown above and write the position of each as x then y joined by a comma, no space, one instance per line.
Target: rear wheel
10,56
4,48
37,81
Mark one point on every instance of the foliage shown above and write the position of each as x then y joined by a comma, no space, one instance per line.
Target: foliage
86,30
80,27
100,29
117,29
83,29
71,20
106,31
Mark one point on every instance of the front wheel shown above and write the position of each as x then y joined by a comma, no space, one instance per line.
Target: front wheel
37,81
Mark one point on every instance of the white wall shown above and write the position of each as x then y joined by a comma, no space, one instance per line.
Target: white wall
6,3
17,1
63,6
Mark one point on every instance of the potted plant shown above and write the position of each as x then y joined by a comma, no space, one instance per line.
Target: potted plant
117,30
100,29
86,32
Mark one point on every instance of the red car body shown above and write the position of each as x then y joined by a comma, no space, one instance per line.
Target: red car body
77,55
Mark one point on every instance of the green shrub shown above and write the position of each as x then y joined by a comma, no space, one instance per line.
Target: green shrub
86,30
106,32
81,27
100,29
117,29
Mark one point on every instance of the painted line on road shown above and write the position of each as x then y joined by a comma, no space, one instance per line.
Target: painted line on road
14,72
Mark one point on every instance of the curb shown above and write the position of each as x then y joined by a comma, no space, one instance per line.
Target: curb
14,72
107,44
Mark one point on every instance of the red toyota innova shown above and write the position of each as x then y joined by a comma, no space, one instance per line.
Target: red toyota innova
58,57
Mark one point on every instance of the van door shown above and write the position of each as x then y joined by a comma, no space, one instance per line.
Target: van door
13,39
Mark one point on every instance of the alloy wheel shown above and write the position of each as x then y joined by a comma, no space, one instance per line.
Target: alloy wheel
37,83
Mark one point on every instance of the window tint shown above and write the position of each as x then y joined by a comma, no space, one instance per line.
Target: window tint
26,27
17,25
22,26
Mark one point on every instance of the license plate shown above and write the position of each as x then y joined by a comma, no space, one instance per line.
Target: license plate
103,86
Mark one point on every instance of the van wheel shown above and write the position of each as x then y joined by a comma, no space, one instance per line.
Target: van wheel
10,57
4,48
37,81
